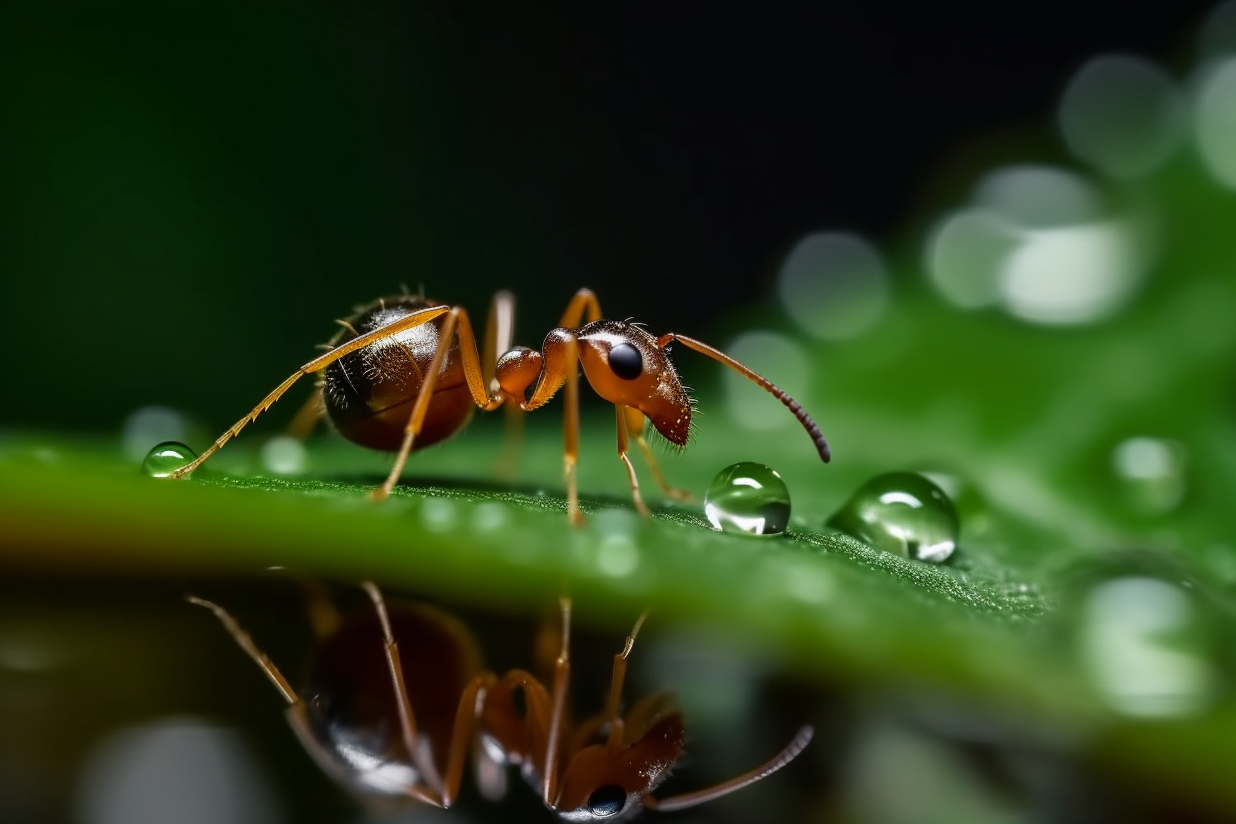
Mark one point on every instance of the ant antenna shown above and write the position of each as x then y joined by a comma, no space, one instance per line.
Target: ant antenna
681,802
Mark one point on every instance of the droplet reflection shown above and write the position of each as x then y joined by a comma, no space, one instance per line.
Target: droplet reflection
1146,647
903,513
166,458
748,498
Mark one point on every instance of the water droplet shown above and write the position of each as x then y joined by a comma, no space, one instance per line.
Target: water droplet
1122,114
1152,473
1147,646
284,455
166,458
902,513
748,498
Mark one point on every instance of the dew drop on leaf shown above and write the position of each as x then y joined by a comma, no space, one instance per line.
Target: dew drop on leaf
166,458
748,498
903,513
1147,646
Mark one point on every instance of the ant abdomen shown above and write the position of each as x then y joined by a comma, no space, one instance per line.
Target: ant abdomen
368,394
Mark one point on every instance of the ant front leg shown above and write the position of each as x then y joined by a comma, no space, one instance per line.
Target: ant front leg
634,421
623,433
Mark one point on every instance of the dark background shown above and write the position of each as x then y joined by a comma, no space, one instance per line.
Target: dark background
192,195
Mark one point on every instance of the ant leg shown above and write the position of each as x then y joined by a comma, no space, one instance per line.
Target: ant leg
582,306
456,325
635,426
407,719
308,416
559,367
623,445
316,365
570,442
562,675
499,337
319,607
245,642
461,734
615,685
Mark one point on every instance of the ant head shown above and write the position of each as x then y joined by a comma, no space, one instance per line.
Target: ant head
625,366
610,781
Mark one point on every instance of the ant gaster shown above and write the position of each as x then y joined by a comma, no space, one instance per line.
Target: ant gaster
406,371
385,736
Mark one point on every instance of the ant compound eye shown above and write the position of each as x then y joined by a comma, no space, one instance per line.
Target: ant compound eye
626,361
610,799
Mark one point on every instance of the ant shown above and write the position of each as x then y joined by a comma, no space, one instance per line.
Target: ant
406,371
386,737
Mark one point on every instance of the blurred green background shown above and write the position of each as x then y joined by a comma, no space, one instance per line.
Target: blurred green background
200,193
949,232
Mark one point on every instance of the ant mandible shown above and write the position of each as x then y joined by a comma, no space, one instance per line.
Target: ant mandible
406,371
386,737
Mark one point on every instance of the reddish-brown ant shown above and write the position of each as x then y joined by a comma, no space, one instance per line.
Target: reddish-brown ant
406,370
385,736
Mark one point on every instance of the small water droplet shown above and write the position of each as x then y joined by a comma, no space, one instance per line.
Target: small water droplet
902,513
166,458
1152,473
748,498
284,455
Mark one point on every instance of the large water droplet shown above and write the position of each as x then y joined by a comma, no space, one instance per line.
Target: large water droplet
1147,646
748,498
166,458
902,513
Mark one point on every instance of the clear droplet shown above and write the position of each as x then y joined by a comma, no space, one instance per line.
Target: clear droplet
1147,646
903,513
166,458
748,498
1152,473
